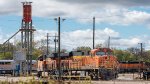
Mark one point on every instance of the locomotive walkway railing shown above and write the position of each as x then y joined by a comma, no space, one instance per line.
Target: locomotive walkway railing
74,79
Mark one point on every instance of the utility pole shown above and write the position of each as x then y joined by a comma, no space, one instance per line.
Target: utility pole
59,58
109,42
141,53
47,44
141,44
47,52
59,71
93,32
55,40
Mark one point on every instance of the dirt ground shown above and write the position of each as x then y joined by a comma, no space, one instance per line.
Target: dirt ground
130,76
122,79
120,82
8,78
125,79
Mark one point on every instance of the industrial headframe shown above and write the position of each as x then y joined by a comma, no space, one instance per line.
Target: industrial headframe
27,34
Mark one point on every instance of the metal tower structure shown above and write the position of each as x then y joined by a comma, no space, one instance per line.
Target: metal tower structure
27,34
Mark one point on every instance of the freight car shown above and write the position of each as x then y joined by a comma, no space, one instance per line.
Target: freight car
98,64
132,66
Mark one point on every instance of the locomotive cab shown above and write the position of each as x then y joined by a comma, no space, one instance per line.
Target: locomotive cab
101,52
107,63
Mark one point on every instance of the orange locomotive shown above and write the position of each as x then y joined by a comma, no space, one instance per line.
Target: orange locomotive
98,64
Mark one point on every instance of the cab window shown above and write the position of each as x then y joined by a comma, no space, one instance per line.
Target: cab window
100,53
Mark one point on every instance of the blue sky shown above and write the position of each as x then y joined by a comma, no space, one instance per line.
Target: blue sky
127,19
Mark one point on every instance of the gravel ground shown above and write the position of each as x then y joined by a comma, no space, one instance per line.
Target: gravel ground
15,78
122,79
120,82
135,76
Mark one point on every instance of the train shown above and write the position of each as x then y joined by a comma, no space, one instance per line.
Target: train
6,67
98,63
9,66
132,66
135,67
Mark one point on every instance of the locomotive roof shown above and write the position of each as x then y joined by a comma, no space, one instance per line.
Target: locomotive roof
6,60
103,49
132,62
72,53
61,55
12,60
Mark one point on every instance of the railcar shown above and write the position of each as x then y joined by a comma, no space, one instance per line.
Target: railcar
132,66
8,66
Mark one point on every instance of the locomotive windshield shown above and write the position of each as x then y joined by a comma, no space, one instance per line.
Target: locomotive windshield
100,53
103,53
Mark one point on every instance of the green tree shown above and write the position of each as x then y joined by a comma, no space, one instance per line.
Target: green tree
146,56
6,51
119,54
125,55
36,53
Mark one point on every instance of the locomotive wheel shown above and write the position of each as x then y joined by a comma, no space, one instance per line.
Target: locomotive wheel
96,77
91,75
39,74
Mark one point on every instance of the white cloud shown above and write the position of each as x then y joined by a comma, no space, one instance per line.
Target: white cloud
135,17
109,11
1,36
73,39
119,16
10,7
123,3
132,42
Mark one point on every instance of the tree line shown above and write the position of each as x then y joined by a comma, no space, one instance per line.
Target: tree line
39,48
